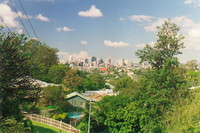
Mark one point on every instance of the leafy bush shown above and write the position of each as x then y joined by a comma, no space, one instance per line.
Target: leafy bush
27,123
61,117
52,107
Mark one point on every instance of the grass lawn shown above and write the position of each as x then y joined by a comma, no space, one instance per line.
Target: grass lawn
42,128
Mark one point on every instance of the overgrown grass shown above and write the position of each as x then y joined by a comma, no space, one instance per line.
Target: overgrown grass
42,128
52,107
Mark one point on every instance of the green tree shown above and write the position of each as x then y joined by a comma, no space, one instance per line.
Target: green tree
102,111
98,78
161,87
123,83
192,65
73,80
185,117
15,85
193,78
123,120
168,45
89,84
54,95
42,57
56,73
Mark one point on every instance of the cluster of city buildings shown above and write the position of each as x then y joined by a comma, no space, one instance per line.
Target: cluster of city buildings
95,62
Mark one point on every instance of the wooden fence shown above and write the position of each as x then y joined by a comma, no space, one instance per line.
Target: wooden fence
52,122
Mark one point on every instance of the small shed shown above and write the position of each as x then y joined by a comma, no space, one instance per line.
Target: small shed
78,100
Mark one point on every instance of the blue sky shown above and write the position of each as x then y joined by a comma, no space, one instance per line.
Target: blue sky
104,28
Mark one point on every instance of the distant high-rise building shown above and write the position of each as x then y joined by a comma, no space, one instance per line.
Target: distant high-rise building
101,61
71,59
122,63
80,64
93,59
109,61
130,64
86,60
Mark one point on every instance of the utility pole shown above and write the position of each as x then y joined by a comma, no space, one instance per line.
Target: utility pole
89,117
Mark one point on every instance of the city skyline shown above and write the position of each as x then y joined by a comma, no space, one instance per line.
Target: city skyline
106,29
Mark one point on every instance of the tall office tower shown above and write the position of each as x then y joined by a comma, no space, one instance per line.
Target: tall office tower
81,62
71,59
95,63
86,60
130,64
109,61
101,61
122,63
93,59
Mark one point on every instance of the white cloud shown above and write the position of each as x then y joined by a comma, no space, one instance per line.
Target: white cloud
46,0
142,45
122,19
141,18
64,29
189,28
84,42
24,16
194,2
19,31
8,16
34,38
151,27
64,56
92,12
42,18
115,44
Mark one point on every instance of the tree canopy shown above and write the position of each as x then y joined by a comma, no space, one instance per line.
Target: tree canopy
168,44
42,57
15,86
57,73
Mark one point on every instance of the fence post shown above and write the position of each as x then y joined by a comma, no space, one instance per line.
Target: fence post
60,124
41,119
70,126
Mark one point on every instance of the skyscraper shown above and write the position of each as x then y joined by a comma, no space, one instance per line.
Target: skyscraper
101,61
93,59
71,59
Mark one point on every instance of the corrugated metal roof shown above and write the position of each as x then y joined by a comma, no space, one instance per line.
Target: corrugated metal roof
73,94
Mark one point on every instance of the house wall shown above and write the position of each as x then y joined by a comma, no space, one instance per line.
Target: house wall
77,101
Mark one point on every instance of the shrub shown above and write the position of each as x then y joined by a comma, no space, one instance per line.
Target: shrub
27,123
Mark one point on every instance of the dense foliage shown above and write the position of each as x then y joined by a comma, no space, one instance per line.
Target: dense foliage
159,100
168,44
42,57
56,73
164,98
80,81
53,95
16,85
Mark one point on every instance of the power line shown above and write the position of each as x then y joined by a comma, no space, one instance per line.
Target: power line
5,24
28,19
20,18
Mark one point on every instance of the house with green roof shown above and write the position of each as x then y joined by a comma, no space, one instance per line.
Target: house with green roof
78,100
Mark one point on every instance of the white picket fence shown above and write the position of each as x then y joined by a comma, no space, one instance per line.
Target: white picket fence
53,123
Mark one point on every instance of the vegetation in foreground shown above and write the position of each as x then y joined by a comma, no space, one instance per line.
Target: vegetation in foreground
159,100
42,128
156,100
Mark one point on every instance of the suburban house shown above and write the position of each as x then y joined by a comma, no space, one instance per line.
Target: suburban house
78,100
